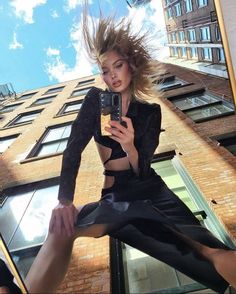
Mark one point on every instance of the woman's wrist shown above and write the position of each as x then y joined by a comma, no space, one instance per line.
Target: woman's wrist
65,201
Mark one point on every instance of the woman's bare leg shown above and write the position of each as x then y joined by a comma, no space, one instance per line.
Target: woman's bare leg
50,265
223,260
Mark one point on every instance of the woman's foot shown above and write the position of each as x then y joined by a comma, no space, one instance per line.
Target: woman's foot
225,264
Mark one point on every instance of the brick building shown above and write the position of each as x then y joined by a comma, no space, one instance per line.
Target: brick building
196,157
194,37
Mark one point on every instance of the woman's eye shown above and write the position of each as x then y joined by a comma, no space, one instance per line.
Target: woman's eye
119,65
104,72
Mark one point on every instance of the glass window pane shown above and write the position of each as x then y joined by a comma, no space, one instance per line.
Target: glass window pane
62,146
80,92
67,131
208,111
33,227
72,107
144,274
10,216
26,118
194,101
48,149
54,134
5,143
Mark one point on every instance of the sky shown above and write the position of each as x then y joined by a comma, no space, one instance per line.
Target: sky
40,40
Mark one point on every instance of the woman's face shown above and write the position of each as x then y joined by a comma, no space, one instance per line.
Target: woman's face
116,72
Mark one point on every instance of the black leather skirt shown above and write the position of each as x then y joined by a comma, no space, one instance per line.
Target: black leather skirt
147,215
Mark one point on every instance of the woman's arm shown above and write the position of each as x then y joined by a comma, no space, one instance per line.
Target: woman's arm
150,140
64,215
81,133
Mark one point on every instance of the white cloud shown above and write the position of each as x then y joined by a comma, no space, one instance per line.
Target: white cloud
58,70
72,4
150,17
52,52
15,44
54,14
25,8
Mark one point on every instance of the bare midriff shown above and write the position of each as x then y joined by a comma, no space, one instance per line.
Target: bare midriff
114,164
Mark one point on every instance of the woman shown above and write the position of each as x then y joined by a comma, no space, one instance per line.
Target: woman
135,206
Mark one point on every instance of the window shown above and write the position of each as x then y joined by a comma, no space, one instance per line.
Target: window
24,219
192,35
169,13
205,34
9,108
207,54
144,274
5,142
221,55
183,52
54,90
218,34
71,107
86,82
229,142
177,9
194,53
24,118
188,5
26,96
181,36
170,84
173,37
203,106
42,101
167,2
53,141
175,51
202,3
80,92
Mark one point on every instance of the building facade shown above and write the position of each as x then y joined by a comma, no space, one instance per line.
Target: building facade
196,157
194,37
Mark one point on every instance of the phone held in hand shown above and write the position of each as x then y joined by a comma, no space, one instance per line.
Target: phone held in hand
110,109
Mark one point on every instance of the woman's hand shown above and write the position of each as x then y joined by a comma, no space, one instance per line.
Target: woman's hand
63,219
123,135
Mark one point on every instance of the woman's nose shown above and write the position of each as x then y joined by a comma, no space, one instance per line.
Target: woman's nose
113,75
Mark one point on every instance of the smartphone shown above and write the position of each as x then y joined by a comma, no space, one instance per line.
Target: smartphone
110,109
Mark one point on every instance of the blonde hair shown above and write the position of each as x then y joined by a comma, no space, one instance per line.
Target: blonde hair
107,35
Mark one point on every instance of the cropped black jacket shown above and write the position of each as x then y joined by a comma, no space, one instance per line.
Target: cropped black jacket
146,120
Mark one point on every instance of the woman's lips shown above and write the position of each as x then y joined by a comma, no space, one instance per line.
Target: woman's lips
116,84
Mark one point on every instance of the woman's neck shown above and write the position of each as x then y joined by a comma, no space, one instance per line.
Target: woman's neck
126,98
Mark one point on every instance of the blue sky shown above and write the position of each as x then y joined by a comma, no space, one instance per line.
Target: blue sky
40,40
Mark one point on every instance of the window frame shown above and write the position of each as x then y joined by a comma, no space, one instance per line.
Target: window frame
43,98
51,91
10,105
203,4
80,90
62,112
207,33
8,137
189,5
12,123
178,10
27,96
219,101
33,154
85,82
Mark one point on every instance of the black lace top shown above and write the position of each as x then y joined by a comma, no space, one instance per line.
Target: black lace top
146,120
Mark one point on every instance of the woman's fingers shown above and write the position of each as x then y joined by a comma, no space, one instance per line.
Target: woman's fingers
128,123
63,220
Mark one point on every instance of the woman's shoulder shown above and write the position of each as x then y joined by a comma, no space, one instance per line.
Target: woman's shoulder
146,107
